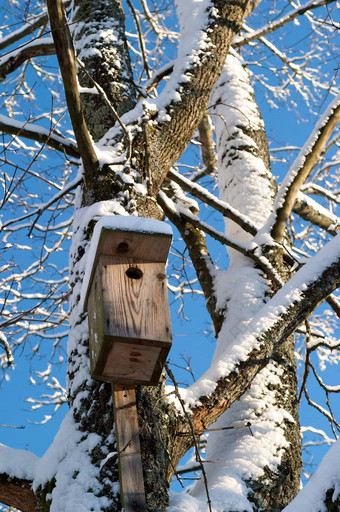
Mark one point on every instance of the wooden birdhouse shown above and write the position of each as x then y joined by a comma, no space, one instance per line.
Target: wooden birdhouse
126,300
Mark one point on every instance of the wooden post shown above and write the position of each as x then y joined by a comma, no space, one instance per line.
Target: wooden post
127,434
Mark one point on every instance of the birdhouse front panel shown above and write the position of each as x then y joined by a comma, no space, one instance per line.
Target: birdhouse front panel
129,320
136,291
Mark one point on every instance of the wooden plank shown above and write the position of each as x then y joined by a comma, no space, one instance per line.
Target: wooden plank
148,246
135,308
131,361
130,462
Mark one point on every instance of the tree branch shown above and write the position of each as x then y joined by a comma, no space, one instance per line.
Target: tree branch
66,58
302,167
195,242
28,28
17,470
39,134
302,9
140,38
17,493
221,206
248,249
311,211
158,76
286,310
202,67
334,304
12,60
207,144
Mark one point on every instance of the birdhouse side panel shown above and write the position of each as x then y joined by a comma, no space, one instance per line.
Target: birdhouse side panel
135,299
96,321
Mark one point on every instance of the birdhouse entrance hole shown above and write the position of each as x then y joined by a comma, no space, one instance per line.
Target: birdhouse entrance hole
134,273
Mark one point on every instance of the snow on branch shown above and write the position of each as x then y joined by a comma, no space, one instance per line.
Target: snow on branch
17,469
237,366
195,241
5,344
11,61
326,478
249,249
17,463
33,132
68,455
302,167
203,47
311,211
221,206
29,27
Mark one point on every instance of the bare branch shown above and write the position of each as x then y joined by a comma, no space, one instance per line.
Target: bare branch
321,410
302,9
334,304
302,167
140,38
307,361
328,389
66,58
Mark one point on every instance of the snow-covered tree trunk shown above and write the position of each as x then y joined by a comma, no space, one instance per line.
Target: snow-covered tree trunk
264,467
128,148
98,30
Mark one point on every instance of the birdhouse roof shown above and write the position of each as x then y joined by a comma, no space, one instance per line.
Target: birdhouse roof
126,236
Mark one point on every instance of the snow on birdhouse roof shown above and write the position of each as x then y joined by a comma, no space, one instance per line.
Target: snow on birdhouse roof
131,223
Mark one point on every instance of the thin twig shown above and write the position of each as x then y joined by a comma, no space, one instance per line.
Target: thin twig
140,37
306,369
200,432
321,410
12,426
270,27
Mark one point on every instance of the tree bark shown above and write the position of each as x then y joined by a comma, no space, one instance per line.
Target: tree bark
18,493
